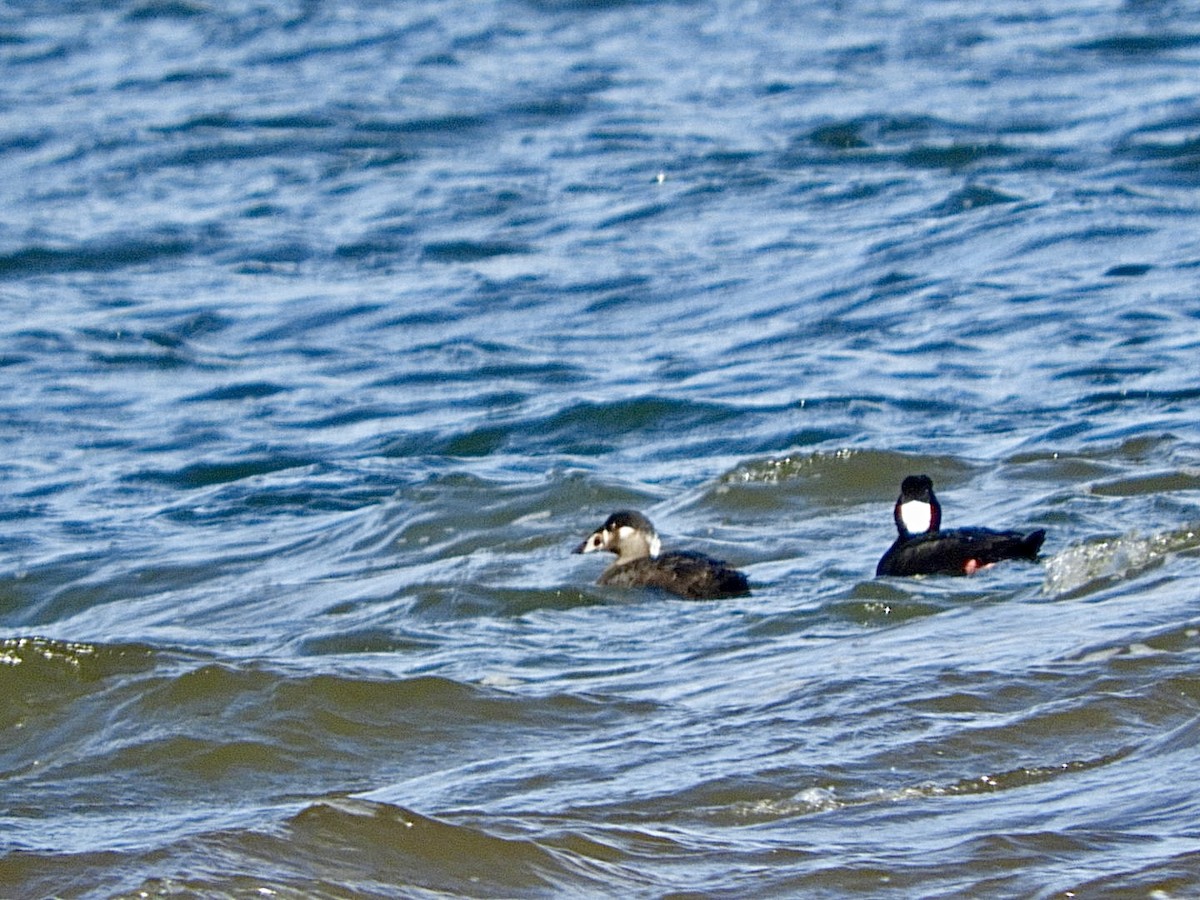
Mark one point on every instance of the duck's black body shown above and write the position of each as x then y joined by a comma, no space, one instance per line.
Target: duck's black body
960,551
630,535
923,548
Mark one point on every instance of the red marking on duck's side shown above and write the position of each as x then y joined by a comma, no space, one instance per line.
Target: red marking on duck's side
971,566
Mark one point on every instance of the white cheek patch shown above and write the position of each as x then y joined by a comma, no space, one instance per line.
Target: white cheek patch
626,533
917,516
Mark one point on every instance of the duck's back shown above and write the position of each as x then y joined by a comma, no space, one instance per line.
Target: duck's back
958,552
692,575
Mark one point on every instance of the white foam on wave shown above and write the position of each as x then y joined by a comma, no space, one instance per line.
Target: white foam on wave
1113,559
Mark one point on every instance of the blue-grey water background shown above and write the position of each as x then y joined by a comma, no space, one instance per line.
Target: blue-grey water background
329,329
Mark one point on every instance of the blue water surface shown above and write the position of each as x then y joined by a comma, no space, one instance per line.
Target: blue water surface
331,329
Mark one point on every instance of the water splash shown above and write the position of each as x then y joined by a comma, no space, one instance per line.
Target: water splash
1113,559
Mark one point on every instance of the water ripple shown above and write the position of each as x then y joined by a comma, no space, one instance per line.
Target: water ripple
330,330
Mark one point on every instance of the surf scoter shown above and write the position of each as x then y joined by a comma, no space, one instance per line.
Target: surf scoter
639,563
922,548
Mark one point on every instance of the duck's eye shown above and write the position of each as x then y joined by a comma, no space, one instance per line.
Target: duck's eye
596,541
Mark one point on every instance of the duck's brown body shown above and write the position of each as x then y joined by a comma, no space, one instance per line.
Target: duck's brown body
630,535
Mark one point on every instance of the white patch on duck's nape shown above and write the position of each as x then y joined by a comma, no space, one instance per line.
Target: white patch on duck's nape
917,516
634,543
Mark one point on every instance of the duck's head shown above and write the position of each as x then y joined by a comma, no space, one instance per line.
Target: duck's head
627,533
917,508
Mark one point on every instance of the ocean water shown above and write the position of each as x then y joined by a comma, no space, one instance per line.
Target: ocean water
330,329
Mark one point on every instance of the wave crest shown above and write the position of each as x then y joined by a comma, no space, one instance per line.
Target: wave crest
1082,566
